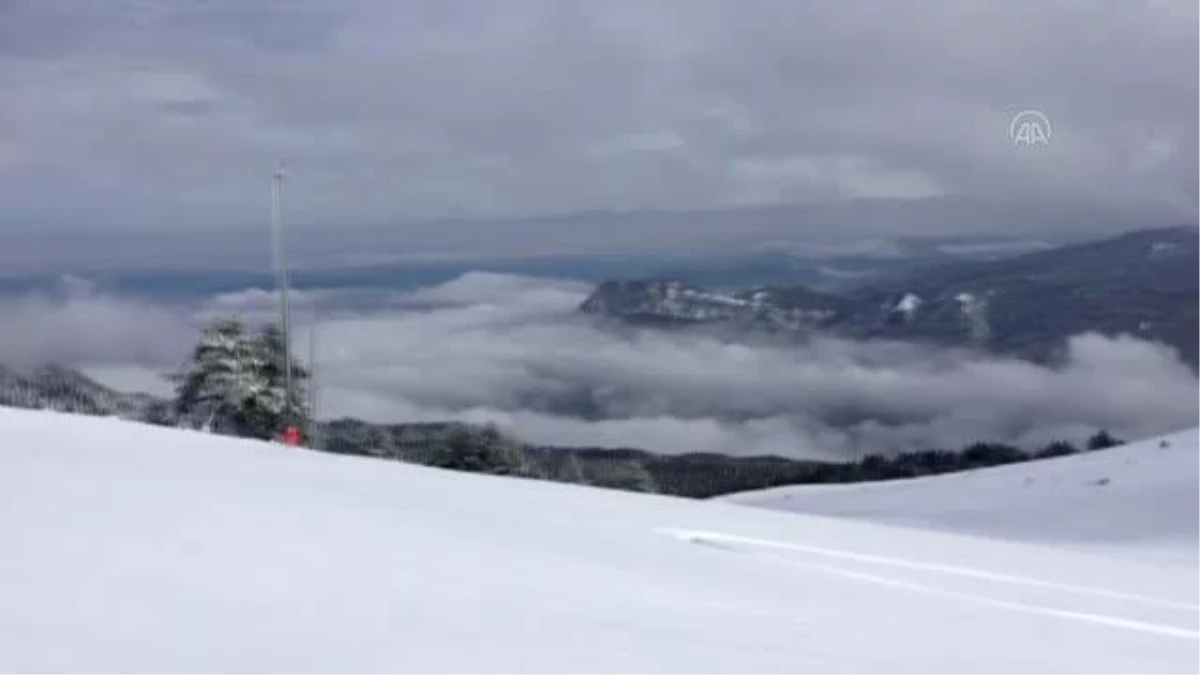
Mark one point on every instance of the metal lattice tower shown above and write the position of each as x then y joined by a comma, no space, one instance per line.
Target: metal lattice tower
282,282
313,401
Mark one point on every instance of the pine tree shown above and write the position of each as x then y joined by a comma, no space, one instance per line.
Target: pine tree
1102,440
571,471
564,466
622,475
274,410
484,450
1056,449
205,394
234,383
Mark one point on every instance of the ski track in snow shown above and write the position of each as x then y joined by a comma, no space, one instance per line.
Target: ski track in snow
717,538
748,545
143,549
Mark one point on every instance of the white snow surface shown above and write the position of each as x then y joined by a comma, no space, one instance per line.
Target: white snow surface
130,548
1137,500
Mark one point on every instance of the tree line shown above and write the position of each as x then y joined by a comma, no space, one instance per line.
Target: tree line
234,384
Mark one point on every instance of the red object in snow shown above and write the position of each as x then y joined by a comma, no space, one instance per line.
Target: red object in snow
291,436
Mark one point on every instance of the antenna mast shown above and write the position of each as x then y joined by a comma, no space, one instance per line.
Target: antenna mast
312,380
282,281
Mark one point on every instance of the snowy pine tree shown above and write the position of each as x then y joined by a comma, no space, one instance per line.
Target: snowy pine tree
485,450
624,474
276,410
204,393
565,467
235,384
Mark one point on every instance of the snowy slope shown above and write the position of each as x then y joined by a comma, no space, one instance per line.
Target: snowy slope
1139,499
133,548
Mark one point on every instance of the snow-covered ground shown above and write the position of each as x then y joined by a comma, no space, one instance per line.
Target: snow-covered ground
1137,500
129,548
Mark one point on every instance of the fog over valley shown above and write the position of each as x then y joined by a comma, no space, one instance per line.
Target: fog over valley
514,350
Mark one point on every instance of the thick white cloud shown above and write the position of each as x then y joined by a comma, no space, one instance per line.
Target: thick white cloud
512,350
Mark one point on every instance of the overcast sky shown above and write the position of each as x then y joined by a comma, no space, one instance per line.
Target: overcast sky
168,113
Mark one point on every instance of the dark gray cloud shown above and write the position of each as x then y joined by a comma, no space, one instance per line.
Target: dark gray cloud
167,113
511,350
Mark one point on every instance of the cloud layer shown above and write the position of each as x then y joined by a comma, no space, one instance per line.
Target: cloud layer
512,350
168,113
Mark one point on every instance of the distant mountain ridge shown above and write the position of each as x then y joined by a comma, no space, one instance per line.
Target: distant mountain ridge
1141,283
669,301
51,386
781,263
